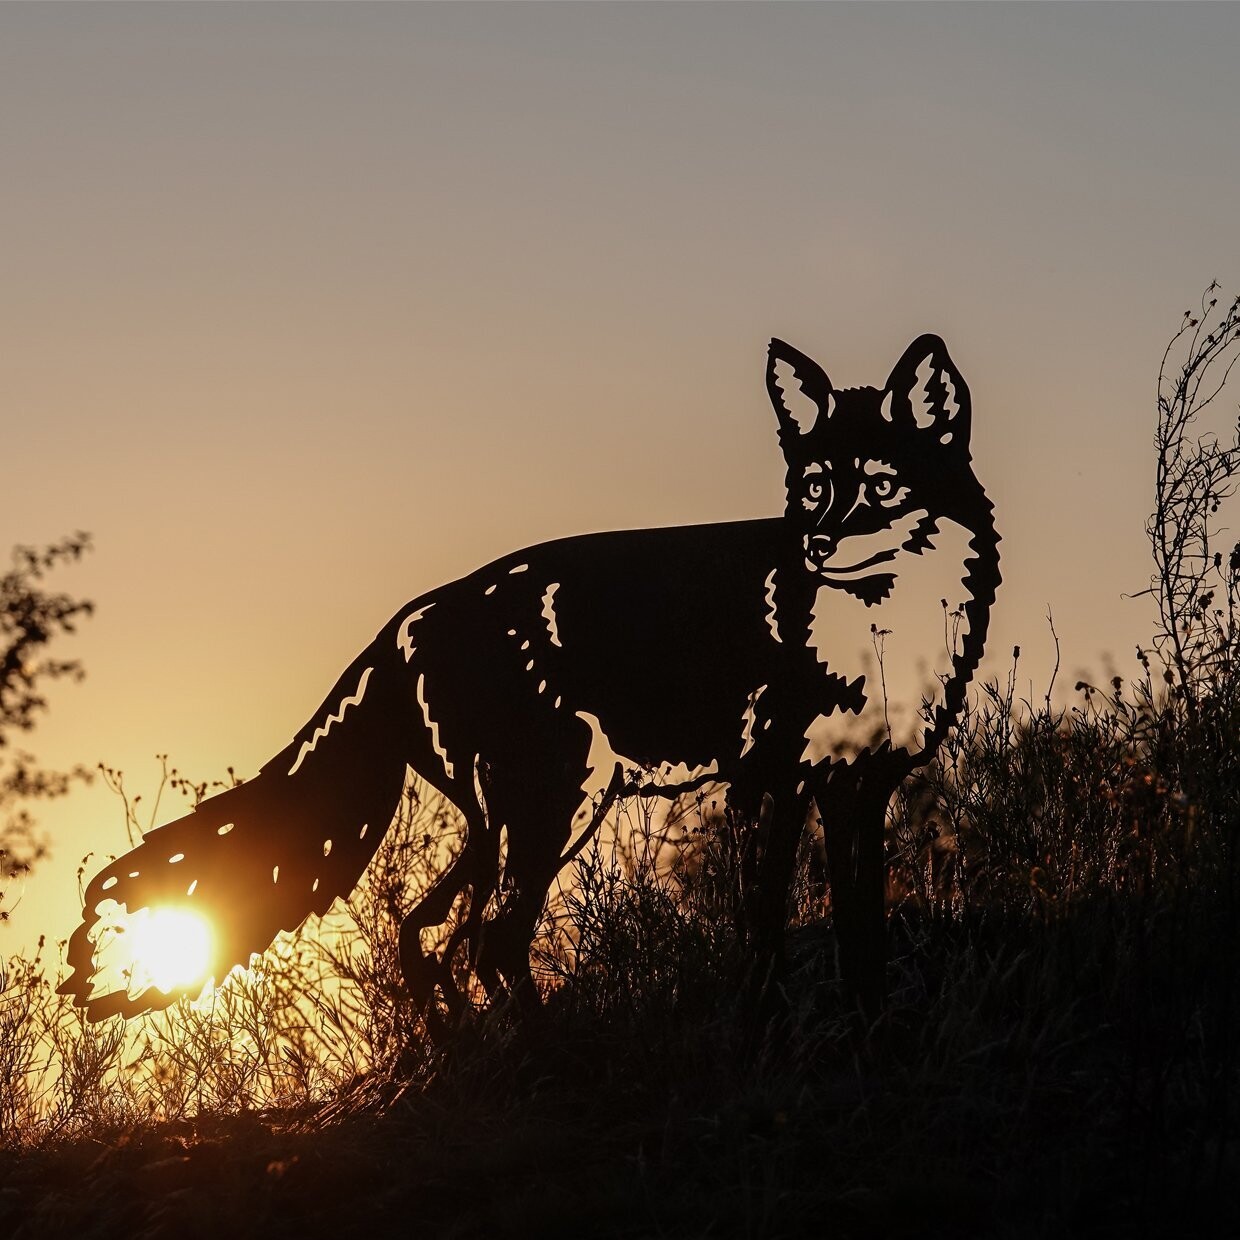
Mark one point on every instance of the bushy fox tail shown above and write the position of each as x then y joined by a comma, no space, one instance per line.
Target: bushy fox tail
256,859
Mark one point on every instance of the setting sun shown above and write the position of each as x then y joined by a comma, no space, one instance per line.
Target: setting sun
171,947
166,948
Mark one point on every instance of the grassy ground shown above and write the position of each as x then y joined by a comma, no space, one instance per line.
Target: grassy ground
1045,1067
1059,1055
992,1109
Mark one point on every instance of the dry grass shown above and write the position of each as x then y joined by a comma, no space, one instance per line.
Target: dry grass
1059,1054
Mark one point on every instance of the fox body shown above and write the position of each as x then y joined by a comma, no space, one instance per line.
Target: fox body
817,655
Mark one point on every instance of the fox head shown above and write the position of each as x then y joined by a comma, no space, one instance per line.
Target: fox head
872,473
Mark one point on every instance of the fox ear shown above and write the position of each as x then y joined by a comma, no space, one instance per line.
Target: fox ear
799,389
926,388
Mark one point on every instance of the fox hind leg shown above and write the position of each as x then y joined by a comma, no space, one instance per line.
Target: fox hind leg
539,821
474,867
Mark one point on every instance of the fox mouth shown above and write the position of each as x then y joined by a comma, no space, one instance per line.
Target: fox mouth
846,559
822,565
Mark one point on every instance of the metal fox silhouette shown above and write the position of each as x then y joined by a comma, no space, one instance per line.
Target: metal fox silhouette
826,662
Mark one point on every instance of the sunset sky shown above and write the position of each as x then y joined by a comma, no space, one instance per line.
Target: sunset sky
306,309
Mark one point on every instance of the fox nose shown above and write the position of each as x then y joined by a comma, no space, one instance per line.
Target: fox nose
822,547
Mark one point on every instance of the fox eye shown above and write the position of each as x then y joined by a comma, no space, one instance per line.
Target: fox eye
883,488
814,489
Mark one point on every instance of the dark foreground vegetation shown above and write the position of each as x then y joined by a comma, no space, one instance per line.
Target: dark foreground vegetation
1058,1055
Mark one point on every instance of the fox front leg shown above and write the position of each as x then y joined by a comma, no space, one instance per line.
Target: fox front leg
854,821
768,865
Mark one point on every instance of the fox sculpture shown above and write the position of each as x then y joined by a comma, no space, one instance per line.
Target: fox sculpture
825,661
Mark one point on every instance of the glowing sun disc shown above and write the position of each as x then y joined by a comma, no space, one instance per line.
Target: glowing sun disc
172,948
